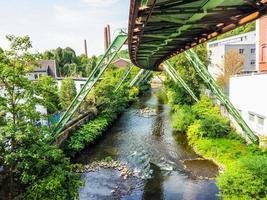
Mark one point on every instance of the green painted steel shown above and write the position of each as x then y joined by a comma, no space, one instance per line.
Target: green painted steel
144,77
124,77
160,29
136,78
178,79
108,57
211,83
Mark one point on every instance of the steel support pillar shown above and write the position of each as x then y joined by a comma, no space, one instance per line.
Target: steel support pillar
108,57
178,79
136,78
211,83
124,77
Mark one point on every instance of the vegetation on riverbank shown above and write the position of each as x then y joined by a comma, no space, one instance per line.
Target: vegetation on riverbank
245,171
110,105
245,166
30,167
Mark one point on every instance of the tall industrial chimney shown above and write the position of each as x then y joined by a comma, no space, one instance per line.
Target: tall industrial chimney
85,48
108,33
105,38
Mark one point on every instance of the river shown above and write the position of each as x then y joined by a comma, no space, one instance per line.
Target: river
150,147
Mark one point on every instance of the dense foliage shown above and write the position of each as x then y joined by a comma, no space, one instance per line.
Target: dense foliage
32,169
190,76
242,29
67,92
245,172
109,103
46,88
69,64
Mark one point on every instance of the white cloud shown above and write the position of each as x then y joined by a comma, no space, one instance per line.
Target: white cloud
63,24
100,3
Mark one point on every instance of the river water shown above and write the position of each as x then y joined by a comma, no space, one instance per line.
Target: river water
150,147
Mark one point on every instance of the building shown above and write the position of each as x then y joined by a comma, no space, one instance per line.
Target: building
248,94
79,83
43,68
245,44
122,63
248,91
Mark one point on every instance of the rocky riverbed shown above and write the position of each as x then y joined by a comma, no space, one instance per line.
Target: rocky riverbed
124,171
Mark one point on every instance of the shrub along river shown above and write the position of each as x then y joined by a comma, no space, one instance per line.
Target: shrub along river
165,167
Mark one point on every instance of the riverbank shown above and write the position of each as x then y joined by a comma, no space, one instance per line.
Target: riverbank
152,152
243,167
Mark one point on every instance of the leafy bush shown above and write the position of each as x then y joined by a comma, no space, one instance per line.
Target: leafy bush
246,179
182,118
194,132
215,126
205,108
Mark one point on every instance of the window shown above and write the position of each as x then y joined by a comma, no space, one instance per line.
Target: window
35,76
241,51
252,62
251,117
260,120
252,51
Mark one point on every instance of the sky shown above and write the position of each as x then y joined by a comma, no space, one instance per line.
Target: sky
61,23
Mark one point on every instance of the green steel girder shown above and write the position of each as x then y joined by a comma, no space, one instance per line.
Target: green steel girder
178,79
216,90
124,77
137,77
105,61
159,29
140,77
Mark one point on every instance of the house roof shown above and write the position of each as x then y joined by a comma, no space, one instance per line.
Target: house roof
48,66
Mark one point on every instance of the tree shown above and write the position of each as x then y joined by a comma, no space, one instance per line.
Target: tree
178,94
67,92
46,88
233,64
33,169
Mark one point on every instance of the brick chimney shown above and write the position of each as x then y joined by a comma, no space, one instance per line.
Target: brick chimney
105,38
262,44
108,34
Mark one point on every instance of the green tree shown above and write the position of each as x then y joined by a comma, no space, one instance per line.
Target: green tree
178,94
32,168
46,88
67,92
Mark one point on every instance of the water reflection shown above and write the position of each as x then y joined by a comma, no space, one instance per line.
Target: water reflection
153,187
149,146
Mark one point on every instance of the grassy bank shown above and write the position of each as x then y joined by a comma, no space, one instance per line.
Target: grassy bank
91,131
245,166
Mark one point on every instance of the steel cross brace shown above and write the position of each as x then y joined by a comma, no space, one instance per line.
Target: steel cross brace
211,83
178,79
140,77
108,57
125,75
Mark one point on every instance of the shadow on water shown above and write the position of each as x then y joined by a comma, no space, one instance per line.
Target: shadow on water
150,147
153,188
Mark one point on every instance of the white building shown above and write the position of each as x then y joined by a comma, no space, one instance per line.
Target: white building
245,44
79,83
248,91
248,94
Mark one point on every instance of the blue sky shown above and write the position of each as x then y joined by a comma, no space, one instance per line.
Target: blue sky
54,23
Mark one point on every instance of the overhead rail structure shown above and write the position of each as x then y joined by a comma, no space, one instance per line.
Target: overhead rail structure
160,29
102,65
216,90
168,68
